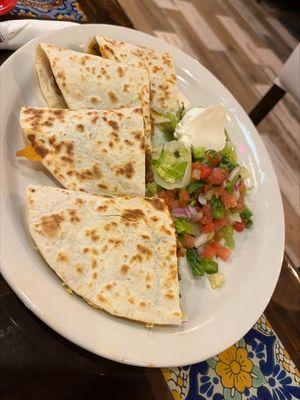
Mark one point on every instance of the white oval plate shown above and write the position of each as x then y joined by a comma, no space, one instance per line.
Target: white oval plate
216,318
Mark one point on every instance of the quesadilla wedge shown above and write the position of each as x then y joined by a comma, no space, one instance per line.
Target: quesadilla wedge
70,79
164,93
118,254
96,151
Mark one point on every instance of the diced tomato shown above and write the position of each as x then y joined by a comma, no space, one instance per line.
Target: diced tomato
242,188
196,165
239,226
220,222
172,203
209,251
207,218
218,235
208,228
216,177
221,251
205,171
229,200
167,194
184,198
188,241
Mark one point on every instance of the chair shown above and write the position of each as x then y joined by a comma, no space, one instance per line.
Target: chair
288,80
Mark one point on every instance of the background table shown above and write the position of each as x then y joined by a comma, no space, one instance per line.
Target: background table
35,362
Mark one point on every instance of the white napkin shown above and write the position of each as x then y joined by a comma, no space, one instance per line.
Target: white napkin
15,33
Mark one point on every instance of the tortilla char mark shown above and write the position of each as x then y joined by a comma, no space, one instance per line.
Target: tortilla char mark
158,204
50,225
127,170
133,214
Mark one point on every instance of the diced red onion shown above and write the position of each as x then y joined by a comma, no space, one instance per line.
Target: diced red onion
179,212
234,173
192,211
202,200
199,250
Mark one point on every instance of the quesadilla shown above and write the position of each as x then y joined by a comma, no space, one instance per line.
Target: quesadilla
164,93
70,79
118,254
96,151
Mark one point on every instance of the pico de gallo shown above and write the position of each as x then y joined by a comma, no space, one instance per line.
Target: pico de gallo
206,196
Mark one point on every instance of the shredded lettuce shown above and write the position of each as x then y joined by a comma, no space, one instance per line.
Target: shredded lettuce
198,153
168,128
194,262
229,151
246,215
172,165
228,235
151,189
245,174
229,187
200,266
216,280
218,209
183,226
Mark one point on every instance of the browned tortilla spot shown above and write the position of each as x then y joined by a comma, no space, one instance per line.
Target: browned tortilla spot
50,224
129,170
78,268
102,208
92,234
131,300
73,216
124,268
120,71
85,250
108,286
94,100
62,256
144,250
38,147
95,275
169,295
80,127
148,277
79,202
104,249
146,237
126,87
133,214
129,142
67,159
142,304
101,298
158,204
114,124
102,186
113,97
136,257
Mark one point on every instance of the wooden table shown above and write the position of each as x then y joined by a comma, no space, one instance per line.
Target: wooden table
37,363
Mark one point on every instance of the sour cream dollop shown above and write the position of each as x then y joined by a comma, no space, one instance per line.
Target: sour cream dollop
203,127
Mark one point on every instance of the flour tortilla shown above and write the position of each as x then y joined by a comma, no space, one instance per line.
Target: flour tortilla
164,93
96,151
70,79
118,254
